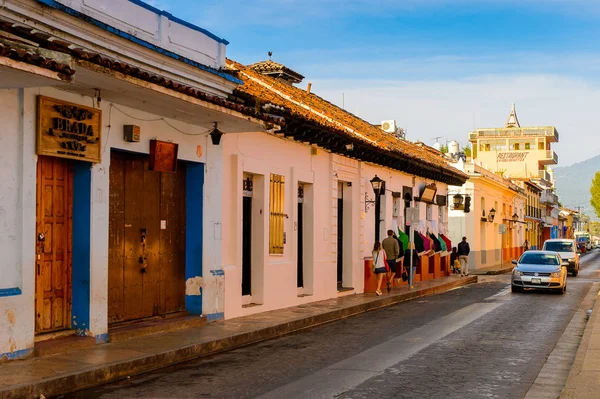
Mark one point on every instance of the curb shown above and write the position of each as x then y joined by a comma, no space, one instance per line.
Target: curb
97,375
575,387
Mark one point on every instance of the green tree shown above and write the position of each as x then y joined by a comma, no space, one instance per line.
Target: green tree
595,191
467,150
444,149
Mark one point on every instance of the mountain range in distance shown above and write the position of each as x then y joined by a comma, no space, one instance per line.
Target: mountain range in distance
573,185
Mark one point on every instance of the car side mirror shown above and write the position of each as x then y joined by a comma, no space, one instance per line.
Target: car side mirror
514,262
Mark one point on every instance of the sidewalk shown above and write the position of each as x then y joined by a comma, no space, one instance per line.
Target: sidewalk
68,372
584,378
498,269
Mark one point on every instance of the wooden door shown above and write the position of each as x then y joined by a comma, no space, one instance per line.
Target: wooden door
146,239
53,244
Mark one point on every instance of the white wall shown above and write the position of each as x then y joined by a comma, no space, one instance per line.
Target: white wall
261,154
18,205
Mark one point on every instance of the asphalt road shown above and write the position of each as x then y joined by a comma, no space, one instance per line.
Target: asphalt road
480,341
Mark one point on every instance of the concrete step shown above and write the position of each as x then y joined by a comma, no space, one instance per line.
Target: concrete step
63,344
156,325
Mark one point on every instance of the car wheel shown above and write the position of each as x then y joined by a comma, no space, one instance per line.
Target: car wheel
516,289
575,273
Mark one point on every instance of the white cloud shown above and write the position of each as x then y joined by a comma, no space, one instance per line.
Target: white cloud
452,108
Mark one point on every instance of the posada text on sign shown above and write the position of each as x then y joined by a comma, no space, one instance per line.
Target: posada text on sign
68,130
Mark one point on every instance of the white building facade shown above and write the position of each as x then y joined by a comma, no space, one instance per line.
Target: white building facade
490,213
110,188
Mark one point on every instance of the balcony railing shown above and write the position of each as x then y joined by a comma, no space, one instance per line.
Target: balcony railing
542,131
549,198
543,174
550,159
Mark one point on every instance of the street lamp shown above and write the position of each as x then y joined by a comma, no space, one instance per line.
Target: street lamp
378,187
457,200
491,215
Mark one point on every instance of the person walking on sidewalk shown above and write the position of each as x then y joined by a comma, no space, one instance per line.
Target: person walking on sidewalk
411,259
463,256
378,264
392,251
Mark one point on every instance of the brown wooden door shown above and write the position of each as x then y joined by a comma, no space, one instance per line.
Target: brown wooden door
53,244
146,239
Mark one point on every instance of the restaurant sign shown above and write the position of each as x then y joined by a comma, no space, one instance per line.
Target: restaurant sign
68,130
511,156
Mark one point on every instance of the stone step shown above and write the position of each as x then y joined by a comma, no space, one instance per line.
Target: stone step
155,325
63,344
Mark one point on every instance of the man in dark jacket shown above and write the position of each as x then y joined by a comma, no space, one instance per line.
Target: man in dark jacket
463,256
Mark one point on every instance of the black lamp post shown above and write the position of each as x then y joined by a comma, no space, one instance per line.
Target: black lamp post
378,188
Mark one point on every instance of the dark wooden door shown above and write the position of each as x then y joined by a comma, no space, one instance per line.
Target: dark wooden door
53,244
300,254
247,246
146,239
340,241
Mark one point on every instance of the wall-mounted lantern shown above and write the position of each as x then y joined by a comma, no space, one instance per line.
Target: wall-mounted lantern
215,135
378,187
457,200
491,215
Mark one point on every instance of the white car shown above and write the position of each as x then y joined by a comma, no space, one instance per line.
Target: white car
539,270
567,249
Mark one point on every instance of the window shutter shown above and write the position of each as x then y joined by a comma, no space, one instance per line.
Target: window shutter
276,215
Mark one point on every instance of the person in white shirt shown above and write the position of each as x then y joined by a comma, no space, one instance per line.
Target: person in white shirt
379,264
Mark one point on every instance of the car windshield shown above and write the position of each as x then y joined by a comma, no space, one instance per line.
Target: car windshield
539,259
558,246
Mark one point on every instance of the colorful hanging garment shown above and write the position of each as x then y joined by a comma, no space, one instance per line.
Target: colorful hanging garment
443,244
418,242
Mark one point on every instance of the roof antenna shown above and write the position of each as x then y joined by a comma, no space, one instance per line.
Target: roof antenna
270,54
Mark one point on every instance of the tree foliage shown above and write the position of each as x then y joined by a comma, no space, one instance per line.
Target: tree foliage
595,191
467,151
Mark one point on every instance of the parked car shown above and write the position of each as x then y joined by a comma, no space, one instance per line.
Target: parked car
567,249
539,270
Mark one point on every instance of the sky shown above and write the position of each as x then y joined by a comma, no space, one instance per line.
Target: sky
440,68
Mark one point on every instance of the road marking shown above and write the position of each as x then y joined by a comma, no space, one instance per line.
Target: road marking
351,372
503,295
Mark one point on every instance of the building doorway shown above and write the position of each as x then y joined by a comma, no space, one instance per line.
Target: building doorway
300,238
340,235
54,212
147,239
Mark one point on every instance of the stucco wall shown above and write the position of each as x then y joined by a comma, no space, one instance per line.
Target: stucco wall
18,205
274,284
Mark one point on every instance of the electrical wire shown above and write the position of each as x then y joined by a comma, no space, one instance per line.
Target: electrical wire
158,120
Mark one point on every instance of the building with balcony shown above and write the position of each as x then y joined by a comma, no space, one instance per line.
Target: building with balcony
515,151
490,211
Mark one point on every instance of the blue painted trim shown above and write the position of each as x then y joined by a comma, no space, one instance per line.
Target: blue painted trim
143,43
10,291
215,316
194,186
82,197
217,272
102,338
16,354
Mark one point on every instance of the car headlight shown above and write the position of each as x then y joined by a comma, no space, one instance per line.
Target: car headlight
555,274
571,260
517,272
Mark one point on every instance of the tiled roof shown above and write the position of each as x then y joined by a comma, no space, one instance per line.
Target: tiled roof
296,104
270,67
27,55
45,40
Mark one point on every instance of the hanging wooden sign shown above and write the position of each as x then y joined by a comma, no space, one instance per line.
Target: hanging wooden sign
163,156
68,130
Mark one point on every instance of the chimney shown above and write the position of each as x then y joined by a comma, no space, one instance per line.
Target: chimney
308,88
